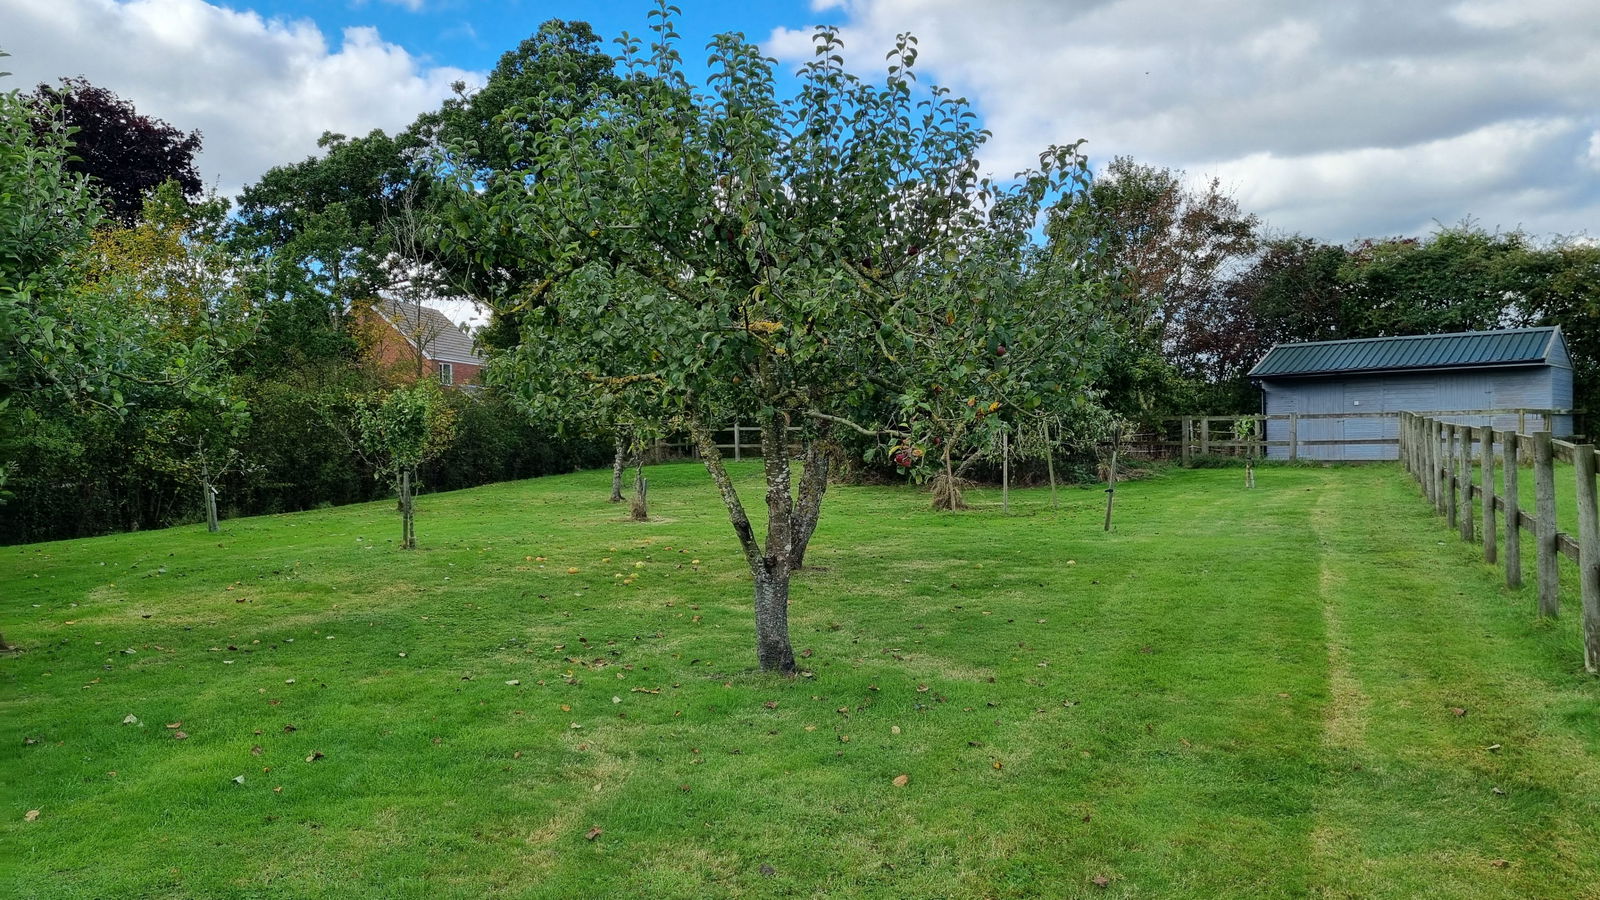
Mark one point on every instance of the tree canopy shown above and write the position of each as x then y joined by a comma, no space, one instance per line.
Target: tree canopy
818,261
125,153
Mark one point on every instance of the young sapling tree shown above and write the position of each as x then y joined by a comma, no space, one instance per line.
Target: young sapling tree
397,432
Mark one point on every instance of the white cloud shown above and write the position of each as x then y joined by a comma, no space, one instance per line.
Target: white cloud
1362,117
260,90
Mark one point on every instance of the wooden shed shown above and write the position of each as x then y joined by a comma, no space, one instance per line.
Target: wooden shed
1346,394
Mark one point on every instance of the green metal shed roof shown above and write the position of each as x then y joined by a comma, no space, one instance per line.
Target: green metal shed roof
1465,349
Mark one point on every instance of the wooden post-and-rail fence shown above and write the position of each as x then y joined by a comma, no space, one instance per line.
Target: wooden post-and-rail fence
737,440
1441,456
1207,435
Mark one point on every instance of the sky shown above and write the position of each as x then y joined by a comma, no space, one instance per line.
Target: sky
1338,120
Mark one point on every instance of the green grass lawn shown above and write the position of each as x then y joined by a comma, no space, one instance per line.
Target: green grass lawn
1312,688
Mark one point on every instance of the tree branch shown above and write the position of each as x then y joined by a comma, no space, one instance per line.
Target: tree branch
712,457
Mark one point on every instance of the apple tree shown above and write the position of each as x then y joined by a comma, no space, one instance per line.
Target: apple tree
399,431
821,261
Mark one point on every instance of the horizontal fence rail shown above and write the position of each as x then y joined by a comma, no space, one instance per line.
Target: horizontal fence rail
736,440
1442,457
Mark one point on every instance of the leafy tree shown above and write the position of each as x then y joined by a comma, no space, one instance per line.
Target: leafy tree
125,154
1560,285
795,254
1292,290
1454,280
171,274
48,214
564,65
319,232
399,431
1167,250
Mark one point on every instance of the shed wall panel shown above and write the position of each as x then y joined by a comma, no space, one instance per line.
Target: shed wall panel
1540,387
1561,398
1558,355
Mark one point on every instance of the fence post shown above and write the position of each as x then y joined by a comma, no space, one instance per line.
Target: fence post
1513,514
1441,467
1451,487
1420,435
1405,445
1424,455
1294,435
1466,481
1588,555
1544,488
1413,448
1184,440
1205,435
738,451
1486,449
1430,461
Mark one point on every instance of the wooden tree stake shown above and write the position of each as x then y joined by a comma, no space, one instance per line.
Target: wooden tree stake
1005,472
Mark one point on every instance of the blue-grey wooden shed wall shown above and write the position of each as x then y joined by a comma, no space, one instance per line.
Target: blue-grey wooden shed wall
1542,384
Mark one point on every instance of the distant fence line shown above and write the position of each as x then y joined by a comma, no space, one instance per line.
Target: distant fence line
1186,437
1440,456
1183,437
737,440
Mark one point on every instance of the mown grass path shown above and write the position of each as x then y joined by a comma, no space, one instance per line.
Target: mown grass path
1236,693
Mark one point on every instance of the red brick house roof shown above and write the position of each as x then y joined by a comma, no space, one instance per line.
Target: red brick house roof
431,333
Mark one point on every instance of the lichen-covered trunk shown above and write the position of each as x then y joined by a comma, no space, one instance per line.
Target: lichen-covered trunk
773,651
772,579
619,463
770,568
813,485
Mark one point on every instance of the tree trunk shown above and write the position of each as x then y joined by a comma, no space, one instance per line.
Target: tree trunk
210,500
813,485
773,651
408,540
946,490
209,494
1005,472
772,581
618,464
1050,465
770,570
211,508
1111,486
641,490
